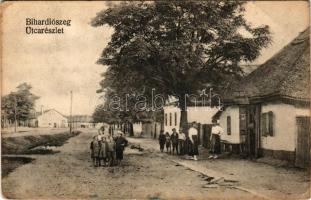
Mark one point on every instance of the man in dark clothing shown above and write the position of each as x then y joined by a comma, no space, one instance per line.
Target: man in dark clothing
121,142
174,139
181,142
162,140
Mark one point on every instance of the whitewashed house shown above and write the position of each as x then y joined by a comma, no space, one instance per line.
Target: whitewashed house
268,112
53,119
202,115
137,128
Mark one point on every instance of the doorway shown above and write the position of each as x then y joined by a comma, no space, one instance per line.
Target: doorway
253,130
303,142
207,130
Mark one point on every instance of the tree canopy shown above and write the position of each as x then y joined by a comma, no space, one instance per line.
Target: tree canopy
177,47
23,100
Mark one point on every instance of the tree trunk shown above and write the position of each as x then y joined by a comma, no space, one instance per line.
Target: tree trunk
124,127
131,130
183,115
184,121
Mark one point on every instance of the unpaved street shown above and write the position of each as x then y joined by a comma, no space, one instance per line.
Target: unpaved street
70,174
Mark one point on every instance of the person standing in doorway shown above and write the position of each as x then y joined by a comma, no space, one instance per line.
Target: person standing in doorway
174,139
193,136
215,139
181,142
162,140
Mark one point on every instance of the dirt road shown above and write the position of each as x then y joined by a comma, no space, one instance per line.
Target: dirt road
70,174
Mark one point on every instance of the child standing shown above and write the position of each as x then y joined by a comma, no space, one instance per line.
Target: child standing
111,150
121,142
92,150
103,151
162,139
168,142
95,149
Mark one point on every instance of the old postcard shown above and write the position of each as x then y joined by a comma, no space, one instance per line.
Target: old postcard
155,99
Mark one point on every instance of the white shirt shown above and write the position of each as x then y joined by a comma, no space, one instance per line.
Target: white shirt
217,130
192,131
181,136
99,137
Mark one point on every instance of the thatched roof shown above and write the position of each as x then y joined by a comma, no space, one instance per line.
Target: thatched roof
286,74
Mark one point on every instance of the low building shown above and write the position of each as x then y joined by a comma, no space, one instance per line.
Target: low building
147,128
52,118
202,115
81,121
268,112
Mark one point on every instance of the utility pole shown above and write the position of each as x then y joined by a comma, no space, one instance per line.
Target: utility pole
15,113
70,112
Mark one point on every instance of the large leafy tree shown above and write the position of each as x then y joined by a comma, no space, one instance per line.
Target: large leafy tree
20,104
177,47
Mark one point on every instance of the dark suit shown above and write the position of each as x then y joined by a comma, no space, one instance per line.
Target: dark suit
174,139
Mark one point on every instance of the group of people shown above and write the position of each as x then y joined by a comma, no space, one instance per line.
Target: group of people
180,143
107,149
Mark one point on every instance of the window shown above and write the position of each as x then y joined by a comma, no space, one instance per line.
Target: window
228,125
267,124
170,119
175,118
165,119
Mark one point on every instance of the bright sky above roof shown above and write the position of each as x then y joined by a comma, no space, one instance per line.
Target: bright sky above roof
56,64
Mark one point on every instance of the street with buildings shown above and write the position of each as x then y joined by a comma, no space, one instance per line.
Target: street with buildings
148,174
222,82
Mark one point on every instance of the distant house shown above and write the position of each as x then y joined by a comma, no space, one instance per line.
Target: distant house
202,115
81,121
146,128
52,118
268,112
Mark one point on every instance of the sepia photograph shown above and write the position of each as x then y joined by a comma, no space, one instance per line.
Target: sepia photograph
155,99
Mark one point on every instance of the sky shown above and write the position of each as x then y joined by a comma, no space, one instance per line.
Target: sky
59,63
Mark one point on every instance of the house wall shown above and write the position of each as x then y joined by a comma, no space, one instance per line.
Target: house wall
137,128
202,115
285,128
233,112
146,129
157,129
167,126
51,117
151,129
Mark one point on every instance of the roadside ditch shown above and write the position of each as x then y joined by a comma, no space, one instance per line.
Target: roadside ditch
17,151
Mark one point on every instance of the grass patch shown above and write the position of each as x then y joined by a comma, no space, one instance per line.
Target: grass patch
9,164
25,144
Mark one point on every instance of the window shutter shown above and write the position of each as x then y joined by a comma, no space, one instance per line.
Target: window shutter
263,124
270,114
170,119
228,125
